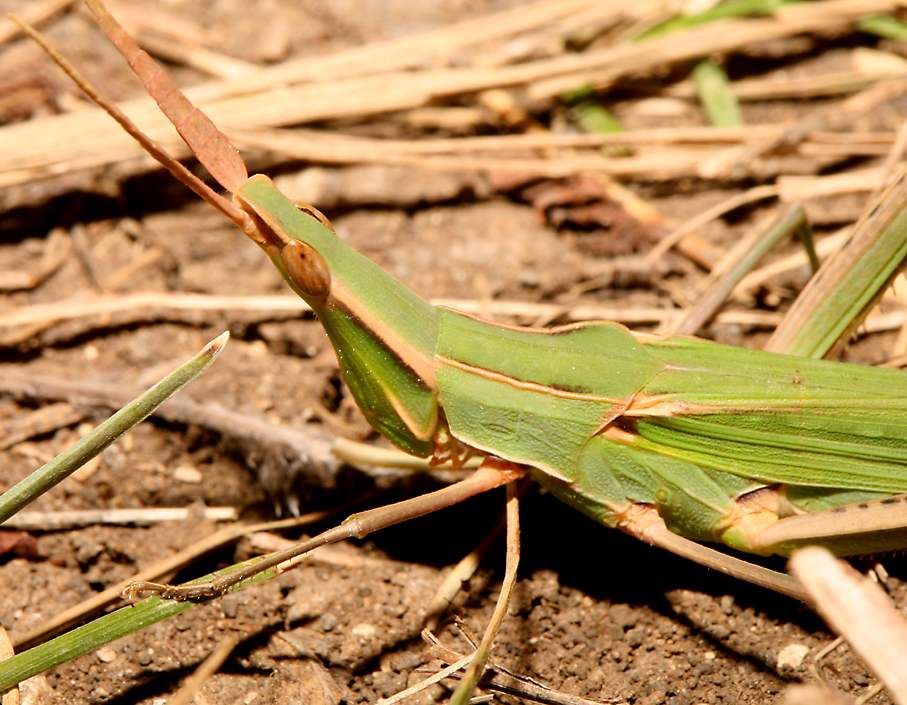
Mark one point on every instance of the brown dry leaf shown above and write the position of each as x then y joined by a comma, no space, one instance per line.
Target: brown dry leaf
18,544
579,204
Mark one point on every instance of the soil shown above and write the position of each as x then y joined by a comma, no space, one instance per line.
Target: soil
595,613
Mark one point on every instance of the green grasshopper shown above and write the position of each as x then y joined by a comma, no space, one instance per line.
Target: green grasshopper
678,441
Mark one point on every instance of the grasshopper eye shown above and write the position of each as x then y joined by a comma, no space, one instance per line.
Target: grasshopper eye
307,269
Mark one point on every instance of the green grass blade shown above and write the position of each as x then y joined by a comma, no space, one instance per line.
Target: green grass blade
884,26
849,283
742,258
715,94
103,630
70,460
590,116
725,10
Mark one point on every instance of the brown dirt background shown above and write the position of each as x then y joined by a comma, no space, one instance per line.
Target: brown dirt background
595,613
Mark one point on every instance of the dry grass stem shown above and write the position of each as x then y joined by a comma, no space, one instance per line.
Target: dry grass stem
790,264
600,69
56,252
796,189
799,87
436,677
369,81
39,422
504,681
187,692
859,610
757,193
211,62
48,314
739,260
458,575
139,516
35,13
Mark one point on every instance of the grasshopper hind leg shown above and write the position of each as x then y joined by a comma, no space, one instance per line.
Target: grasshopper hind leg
645,523
862,527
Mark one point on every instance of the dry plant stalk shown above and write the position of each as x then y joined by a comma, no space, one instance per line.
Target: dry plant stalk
857,609
369,80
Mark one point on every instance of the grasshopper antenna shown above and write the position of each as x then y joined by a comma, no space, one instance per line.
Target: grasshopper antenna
210,146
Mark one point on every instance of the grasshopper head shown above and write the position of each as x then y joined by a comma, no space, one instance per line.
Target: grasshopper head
297,238
384,335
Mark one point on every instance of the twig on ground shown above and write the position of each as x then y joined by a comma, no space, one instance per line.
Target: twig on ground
139,516
436,677
739,260
130,411
47,314
791,263
41,421
208,668
35,14
504,681
56,252
280,455
268,542
860,611
347,86
752,195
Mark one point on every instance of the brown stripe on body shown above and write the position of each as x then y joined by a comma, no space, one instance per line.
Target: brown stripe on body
422,433
422,367
550,390
664,405
553,331
563,329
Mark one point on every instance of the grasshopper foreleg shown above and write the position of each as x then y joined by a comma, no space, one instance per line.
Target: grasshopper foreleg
492,473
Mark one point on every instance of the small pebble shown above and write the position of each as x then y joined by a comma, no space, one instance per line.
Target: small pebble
727,603
327,622
187,473
365,631
394,610
720,632
623,616
635,637
229,604
791,656
106,655
407,662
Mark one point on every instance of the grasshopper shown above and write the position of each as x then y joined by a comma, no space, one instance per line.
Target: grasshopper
678,441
